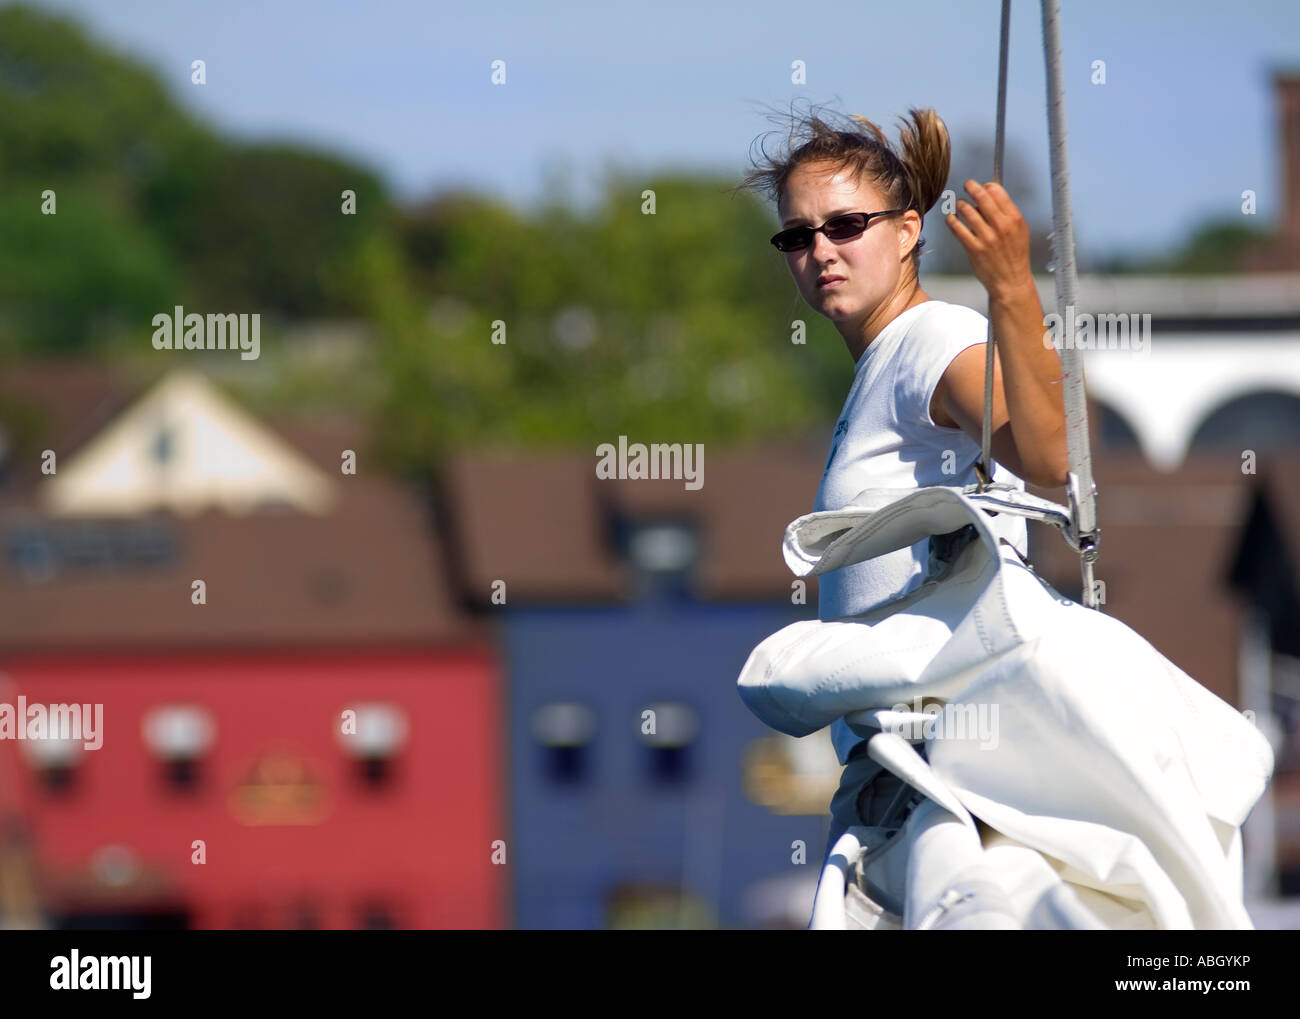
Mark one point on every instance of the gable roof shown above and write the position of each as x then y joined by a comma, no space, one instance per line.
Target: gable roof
185,447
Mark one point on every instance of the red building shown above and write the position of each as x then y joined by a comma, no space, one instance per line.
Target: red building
308,738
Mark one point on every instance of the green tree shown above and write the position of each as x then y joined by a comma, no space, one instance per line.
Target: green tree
1219,246
153,208
672,326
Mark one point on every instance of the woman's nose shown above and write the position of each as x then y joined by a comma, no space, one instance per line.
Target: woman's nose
821,247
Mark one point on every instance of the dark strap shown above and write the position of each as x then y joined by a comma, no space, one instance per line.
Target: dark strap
1016,551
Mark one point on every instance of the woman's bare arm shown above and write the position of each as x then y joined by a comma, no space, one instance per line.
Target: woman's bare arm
1028,405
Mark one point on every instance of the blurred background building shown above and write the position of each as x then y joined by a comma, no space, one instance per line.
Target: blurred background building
232,788
437,673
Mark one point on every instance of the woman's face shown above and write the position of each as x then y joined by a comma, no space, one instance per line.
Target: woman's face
871,264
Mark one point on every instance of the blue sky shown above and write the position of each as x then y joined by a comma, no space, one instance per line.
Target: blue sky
1185,122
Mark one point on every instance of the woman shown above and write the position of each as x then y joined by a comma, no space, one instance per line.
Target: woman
851,211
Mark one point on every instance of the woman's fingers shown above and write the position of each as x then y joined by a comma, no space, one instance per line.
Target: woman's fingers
971,228
975,222
1000,212
992,197
988,222
962,232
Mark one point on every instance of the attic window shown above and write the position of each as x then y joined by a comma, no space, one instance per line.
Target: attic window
663,554
163,445
663,548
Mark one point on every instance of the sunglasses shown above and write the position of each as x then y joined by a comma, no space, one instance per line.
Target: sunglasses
841,228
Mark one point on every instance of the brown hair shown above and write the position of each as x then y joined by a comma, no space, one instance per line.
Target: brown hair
913,179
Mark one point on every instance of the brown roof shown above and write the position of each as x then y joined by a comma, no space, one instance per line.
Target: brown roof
55,403
370,572
530,521
542,522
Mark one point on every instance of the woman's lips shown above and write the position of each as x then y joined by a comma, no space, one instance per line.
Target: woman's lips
831,283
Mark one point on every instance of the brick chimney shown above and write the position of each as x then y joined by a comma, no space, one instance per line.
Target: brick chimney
1284,254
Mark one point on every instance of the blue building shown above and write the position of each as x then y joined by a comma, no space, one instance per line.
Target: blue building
642,791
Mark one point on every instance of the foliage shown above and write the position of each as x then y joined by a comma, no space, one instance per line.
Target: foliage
151,208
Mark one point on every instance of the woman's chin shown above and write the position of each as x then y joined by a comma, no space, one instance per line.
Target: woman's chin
835,307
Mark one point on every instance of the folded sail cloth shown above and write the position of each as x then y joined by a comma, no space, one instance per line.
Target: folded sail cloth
1107,758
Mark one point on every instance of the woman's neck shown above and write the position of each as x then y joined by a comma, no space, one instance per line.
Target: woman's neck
859,338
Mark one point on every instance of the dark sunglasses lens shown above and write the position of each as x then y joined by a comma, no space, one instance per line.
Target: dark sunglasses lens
794,240
844,227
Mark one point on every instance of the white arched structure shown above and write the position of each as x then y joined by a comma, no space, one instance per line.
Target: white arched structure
1166,385
1168,390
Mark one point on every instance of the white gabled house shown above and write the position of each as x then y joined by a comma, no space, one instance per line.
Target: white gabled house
185,447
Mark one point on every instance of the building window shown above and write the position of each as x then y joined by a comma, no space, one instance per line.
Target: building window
32,554
564,731
39,552
373,734
668,729
183,775
164,445
304,915
55,762
377,916
662,553
663,548
179,735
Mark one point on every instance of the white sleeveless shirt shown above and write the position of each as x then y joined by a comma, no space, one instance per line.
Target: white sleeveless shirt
885,438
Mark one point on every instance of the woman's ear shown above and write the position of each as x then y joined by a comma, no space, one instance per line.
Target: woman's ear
909,231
